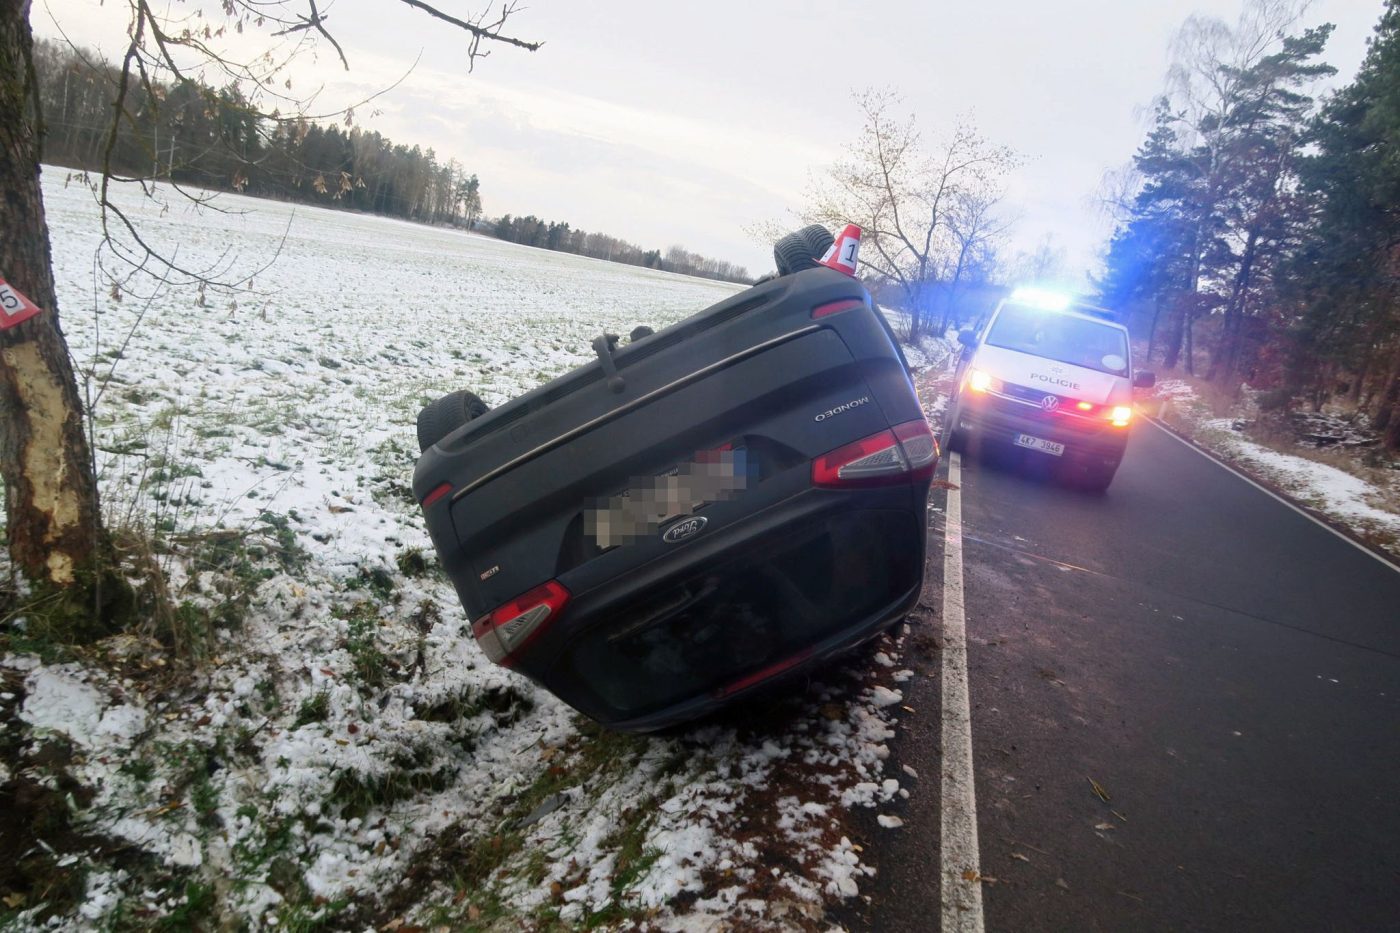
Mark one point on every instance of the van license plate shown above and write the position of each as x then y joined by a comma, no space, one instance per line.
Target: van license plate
1040,443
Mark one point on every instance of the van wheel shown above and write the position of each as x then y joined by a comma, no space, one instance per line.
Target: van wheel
446,415
953,439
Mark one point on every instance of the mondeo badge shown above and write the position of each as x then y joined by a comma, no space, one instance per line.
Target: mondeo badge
685,529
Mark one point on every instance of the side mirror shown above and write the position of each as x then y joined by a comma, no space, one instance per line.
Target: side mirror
967,338
1144,379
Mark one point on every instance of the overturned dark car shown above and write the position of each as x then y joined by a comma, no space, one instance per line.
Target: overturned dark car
699,512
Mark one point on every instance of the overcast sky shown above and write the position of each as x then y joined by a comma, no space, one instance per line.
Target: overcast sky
668,123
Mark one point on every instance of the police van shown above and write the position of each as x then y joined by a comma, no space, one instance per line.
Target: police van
1051,376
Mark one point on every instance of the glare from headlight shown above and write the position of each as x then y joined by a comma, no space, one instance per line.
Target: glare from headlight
979,381
1121,415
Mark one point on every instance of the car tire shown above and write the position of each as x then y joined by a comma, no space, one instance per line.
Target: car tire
791,254
818,240
801,249
447,414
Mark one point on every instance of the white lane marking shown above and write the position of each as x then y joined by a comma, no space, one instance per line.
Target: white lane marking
1273,495
961,864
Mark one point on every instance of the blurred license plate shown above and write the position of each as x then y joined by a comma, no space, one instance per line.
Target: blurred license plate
713,476
1039,443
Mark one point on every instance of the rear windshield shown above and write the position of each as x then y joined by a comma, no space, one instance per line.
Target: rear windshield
1062,338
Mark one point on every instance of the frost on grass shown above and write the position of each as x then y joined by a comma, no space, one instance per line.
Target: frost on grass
341,755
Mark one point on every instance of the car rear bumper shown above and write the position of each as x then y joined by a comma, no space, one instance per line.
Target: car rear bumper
782,672
727,615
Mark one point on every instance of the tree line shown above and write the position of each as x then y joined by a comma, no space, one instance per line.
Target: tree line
532,231
195,135
1258,234
212,138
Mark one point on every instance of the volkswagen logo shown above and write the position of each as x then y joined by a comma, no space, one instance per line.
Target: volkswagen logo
1050,403
685,529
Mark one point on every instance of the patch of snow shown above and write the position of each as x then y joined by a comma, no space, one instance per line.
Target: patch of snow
59,699
1335,491
1174,390
884,696
285,418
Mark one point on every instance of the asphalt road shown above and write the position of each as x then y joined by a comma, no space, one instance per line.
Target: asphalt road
1224,669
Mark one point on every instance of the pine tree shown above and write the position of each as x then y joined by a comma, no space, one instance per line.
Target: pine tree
1348,277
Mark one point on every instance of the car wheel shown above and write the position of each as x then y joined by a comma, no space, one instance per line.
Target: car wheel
801,249
446,415
818,240
792,255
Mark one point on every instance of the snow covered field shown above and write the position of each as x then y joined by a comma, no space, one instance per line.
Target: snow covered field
343,756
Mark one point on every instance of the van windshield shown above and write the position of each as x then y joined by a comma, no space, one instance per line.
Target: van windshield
1060,337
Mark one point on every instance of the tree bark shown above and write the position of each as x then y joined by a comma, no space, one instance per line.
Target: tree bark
1176,330
1387,417
1190,342
1152,331
1227,348
55,533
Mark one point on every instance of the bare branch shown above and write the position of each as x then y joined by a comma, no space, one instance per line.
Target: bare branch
316,21
491,31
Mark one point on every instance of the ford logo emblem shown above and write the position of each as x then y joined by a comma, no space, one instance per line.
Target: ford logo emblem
685,529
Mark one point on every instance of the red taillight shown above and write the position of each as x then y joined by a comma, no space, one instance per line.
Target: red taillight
920,448
438,492
506,630
836,307
895,456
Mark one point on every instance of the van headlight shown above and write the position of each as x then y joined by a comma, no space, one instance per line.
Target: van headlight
981,381
1121,415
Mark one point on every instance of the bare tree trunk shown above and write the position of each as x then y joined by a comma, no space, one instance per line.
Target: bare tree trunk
1226,352
952,291
1387,416
1190,348
1363,372
56,539
1176,330
914,295
1152,331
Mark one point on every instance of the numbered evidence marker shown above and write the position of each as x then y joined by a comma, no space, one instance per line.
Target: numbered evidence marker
843,252
14,307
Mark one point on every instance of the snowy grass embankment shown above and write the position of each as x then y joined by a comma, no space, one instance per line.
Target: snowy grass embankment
341,754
